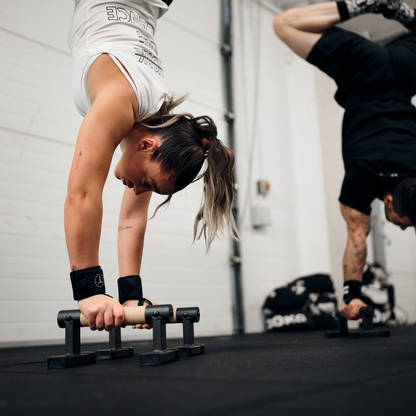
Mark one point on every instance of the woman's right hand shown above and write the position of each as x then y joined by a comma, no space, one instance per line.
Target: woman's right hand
102,312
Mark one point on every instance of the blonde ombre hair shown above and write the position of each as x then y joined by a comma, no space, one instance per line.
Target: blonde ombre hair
189,145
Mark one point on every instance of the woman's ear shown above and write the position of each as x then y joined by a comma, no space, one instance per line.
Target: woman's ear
147,144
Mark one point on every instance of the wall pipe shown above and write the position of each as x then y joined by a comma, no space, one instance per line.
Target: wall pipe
377,231
226,52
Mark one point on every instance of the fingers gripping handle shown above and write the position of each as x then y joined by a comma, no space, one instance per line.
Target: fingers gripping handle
132,315
359,311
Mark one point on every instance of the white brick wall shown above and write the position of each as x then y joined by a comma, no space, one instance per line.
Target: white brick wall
38,129
38,126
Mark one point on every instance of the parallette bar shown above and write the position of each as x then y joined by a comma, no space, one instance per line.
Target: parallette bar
188,316
132,315
191,313
367,315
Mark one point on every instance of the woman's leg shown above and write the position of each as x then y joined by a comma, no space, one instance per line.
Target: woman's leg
300,29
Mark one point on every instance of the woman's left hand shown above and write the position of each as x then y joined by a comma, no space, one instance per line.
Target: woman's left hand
133,302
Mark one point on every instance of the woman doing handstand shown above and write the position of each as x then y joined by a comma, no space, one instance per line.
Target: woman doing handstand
118,86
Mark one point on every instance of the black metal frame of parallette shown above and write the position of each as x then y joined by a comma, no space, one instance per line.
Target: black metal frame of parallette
158,315
70,320
367,331
115,350
188,316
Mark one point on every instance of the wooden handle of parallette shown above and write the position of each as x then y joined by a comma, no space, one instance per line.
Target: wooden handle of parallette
132,315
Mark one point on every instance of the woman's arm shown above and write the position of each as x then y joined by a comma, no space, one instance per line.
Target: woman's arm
109,119
131,229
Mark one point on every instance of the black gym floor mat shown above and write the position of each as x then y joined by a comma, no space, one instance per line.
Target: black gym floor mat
287,374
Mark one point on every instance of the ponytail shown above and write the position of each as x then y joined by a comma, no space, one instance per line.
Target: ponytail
216,212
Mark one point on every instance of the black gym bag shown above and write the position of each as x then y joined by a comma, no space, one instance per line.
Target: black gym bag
306,303
295,320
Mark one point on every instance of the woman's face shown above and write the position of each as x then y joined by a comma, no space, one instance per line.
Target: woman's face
137,171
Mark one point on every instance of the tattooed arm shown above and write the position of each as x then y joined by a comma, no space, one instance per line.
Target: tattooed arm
355,254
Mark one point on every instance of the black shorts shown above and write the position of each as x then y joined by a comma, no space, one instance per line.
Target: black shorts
360,187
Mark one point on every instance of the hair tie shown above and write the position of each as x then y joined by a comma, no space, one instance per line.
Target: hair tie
205,144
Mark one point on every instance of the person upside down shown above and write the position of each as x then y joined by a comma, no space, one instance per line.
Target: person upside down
375,86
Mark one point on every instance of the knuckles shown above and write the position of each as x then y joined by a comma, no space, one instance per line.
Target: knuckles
351,311
97,310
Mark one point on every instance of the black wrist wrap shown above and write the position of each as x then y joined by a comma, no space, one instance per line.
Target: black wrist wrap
411,25
352,290
87,282
343,11
129,287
